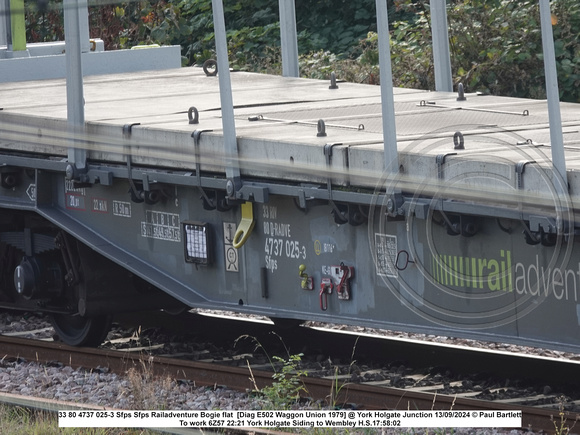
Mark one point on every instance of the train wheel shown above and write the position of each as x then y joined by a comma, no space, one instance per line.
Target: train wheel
81,331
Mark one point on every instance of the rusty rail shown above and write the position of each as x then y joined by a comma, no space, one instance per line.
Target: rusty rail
237,378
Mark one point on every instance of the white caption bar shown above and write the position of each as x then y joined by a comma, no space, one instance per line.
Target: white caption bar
281,419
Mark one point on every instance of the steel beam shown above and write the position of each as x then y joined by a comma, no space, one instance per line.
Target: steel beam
227,103
5,24
289,38
74,83
391,156
553,95
441,56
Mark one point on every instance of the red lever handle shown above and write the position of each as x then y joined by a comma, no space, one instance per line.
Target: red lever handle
325,290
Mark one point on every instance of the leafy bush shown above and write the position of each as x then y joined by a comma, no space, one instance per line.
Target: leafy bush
253,27
496,47
495,44
490,42
43,24
287,385
333,25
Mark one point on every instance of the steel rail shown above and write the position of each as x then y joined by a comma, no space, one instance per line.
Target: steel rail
242,379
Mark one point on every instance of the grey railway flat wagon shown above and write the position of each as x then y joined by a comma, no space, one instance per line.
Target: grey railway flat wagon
470,232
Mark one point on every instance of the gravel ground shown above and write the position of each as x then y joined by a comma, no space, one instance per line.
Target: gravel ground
134,391
105,389
101,388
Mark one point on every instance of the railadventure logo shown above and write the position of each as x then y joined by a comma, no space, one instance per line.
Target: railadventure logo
499,273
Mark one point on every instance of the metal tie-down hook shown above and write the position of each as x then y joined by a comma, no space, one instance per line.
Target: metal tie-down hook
190,114
333,84
210,67
460,93
458,141
321,128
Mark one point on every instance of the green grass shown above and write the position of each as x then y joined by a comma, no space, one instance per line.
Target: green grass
15,420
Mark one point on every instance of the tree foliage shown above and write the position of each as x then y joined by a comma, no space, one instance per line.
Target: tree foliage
500,51
495,44
496,47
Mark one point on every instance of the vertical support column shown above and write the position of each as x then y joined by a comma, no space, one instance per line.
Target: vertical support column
391,155
18,25
228,121
289,38
5,22
84,26
553,94
441,56
74,85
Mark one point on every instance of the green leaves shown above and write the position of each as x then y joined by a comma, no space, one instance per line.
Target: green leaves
287,386
495,45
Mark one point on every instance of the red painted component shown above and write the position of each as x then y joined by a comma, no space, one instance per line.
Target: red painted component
325,289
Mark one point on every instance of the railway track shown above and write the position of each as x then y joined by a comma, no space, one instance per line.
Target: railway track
365,396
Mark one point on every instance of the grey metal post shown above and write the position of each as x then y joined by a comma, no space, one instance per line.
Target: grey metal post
228,121
4,19
288,38
441,56
84,26
6,28
387,96
553,94
74,82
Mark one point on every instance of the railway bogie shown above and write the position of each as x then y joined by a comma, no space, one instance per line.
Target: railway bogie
46,269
